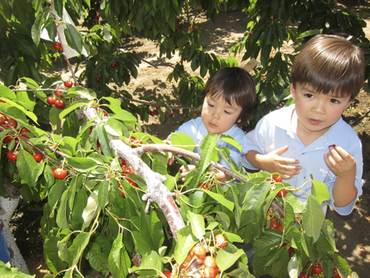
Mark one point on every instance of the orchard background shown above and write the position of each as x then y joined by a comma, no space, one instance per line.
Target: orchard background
133,48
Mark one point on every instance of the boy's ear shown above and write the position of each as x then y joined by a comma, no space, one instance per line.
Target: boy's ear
292,90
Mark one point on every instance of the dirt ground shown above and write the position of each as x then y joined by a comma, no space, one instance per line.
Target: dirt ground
352,232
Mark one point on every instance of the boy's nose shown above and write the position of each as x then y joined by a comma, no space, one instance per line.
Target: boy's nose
319,106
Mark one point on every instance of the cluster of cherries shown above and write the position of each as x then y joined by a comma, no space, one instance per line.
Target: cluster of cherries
275,223
126,171
315,270
200,261
8,123
56,99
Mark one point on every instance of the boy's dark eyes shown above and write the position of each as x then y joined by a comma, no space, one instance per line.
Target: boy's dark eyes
227,112
308,95
335,101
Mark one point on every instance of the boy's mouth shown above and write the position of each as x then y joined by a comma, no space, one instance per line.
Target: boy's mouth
212,125
314,121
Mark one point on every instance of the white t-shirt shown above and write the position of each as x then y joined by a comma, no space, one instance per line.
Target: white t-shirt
195,129
278,129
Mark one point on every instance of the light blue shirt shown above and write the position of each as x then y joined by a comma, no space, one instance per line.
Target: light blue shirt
278,129
196,129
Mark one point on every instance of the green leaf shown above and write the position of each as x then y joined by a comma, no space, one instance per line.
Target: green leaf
185,241
231,237
99,252
61,218
5,92
221,199
29,114
182,140
25,101
58,4
28,169
197,224
70,109
208,154
90,211
123,115
150,261
320,191
225,259
36,29
83,164
7,271
231,141
150,234
79,244
103,140
313,218
103,188
73,37
118,259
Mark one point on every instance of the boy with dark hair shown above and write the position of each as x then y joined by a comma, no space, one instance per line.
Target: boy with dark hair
309,139
229,95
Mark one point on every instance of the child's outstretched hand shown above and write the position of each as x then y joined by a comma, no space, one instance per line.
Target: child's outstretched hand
274,162
340,162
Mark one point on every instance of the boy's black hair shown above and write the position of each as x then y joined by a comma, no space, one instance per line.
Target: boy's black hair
330,64
234,84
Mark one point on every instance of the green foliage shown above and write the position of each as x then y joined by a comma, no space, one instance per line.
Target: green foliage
95,216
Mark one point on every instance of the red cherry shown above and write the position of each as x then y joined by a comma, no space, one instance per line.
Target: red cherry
12,156
211,272
7,139
220,241
303,275
275,225
57,46
9,123
38,156
277,178
24,132
204,185
59,173
132,183
51,100
316,268
199,251
59,104
282,193
336,273
167,273
68,84
58,92
114,65
291,251
209,262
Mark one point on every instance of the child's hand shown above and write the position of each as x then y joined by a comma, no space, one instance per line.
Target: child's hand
340,162
274,162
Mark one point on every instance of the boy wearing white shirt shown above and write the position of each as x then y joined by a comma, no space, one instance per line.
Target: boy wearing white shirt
309,139
229,95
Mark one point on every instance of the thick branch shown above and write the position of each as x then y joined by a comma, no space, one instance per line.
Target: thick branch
192,155
156,191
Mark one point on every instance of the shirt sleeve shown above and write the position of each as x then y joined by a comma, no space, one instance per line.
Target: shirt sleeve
255,140
356,152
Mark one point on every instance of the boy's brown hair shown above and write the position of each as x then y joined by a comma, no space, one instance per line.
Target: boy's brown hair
233,84
330,64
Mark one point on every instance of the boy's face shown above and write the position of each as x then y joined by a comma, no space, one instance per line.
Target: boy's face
219,116
316,112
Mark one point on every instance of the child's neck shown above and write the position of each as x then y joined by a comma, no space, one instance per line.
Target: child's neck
307,137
